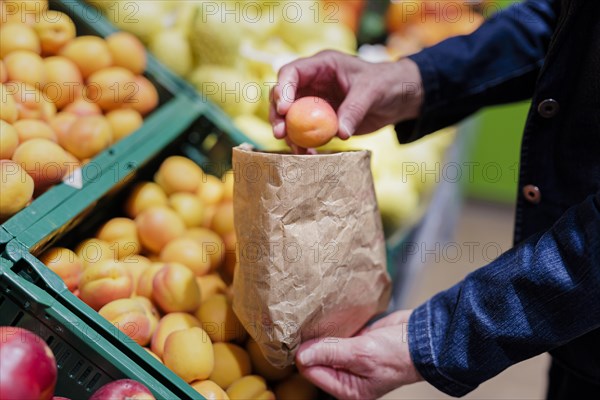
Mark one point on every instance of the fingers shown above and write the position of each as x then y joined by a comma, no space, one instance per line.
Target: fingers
277,122
353,110
329,352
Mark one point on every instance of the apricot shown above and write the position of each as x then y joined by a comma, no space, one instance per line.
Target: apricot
16,36
110,87
88,136
65,263
144,283
174,289
222,222
211,243
219,320
228,182
249,387
188,252
136,265
44,160
296,387
83,107
231,363
55,30
143,196
129,316
151,311
89,53
92,251
124,122
230,260
209,390
210,285
28,129
121,235
61,123
9,140
25,66
179,174
104,282
211,190
157,226
262,366
144,98
3,72
127,51
153,355
8,105
168,324
189,207
189,354
16,188
64,83
30,102
311,122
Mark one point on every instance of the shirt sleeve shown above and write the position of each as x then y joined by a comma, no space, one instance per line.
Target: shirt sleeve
536,297
498,63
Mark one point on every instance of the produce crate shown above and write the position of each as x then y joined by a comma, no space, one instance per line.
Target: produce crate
86,360
171,90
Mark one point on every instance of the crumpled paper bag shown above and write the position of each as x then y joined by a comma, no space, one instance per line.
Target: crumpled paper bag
311,248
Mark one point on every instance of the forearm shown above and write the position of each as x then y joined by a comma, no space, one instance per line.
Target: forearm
538,296
498,63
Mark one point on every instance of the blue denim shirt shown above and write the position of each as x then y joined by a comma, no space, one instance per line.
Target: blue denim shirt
544,294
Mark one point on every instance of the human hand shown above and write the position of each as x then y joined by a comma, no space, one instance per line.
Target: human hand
367,366
367,96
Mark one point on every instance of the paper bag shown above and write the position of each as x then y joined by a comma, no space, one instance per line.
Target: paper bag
311,249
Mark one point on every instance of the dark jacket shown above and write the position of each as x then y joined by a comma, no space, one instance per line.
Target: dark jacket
544,294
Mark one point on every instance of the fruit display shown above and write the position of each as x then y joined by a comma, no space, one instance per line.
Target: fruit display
28,370
160,269
64,98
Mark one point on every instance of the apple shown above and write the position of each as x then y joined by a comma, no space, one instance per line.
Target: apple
27,365
123,389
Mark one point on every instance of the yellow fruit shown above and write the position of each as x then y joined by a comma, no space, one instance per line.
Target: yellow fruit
66,264
130,317
189,207
3,72
157,226
61,123
64,82
219,320
264,368
127,51
44,160
168,324
16,36
231,363
210,285
111,87
30,102
121,235
296,387
311,122
153,355
248,387
211,190
172,48
228,182
16,188
143,196
179,174
89,53
209,390
55,29
104,282
189,353
174,289
8,106
145,279
144,98
124,122
9,140
92,251
83,107
188,252
88,136
136,265
25,66
211,243
28,129
222,222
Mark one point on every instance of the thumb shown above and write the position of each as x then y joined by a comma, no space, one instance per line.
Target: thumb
331,352
353,111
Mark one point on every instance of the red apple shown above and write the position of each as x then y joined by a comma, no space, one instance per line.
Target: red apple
27,366
123,389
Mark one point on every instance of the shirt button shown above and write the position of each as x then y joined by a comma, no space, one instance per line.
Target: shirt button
548,108
532,194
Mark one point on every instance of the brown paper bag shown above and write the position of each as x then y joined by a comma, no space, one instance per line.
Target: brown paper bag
311,248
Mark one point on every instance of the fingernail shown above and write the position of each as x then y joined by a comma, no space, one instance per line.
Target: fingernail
280,107
306,357
345,128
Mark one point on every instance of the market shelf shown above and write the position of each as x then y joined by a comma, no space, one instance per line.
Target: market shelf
86,360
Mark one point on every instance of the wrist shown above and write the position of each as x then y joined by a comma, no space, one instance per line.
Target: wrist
412,94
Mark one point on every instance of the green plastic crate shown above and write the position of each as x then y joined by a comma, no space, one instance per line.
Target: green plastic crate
85,359
170,88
